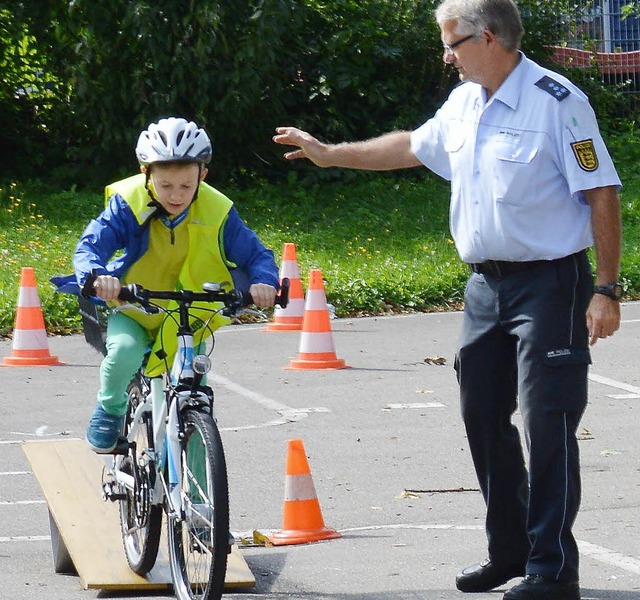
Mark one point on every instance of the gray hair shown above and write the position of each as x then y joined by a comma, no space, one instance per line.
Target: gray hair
501,17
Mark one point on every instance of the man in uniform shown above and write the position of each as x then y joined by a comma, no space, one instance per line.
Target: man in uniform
532,187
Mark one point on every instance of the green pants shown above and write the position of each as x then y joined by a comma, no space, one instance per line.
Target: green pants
127,342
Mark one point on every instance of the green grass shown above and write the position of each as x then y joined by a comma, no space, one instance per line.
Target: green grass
381,241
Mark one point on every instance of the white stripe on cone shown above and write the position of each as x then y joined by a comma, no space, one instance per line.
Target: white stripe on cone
316,342
29,339
28,297
316,300
295,307
299,487
289,268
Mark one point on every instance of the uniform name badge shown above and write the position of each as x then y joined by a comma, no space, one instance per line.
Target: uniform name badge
585,154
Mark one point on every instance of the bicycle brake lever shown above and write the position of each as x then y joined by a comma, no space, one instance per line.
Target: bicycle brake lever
88,291
134,293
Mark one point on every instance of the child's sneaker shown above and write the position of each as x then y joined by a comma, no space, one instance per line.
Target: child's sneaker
104,430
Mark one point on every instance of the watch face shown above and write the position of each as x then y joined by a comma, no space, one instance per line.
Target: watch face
613,290
617,291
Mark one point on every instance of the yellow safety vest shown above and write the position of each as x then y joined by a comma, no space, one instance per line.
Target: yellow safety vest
204,261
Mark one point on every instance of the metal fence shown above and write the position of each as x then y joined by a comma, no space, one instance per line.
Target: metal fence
600,34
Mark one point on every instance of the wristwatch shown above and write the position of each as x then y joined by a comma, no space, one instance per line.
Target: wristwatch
612,290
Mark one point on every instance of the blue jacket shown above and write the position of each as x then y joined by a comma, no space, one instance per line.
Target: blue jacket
116,230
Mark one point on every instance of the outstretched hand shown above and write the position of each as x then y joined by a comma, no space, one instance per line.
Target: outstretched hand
308,146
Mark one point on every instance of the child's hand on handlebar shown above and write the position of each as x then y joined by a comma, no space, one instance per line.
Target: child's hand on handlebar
263,295
107,287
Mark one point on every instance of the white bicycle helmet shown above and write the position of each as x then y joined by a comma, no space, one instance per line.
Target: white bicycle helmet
173,140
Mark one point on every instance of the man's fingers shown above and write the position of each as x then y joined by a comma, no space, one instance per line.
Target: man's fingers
294,154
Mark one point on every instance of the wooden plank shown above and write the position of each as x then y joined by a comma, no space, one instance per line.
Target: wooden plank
88,529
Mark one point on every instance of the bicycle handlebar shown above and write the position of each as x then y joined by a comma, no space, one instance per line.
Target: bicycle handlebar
213,292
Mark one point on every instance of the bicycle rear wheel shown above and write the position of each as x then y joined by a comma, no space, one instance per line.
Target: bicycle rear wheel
140,520
199,543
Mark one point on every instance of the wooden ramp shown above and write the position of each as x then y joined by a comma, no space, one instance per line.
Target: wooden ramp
85,530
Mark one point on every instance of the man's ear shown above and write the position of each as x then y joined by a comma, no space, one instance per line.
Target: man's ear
489,36
143,169
203,173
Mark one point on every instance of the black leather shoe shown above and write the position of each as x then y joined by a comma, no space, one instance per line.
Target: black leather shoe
537,587
487,576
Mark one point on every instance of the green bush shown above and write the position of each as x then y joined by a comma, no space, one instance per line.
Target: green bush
32,97
344,69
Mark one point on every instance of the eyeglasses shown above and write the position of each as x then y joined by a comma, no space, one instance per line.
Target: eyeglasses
449,48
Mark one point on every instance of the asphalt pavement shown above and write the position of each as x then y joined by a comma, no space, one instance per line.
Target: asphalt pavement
387,453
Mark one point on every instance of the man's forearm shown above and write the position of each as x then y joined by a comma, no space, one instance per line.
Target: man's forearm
384,153
607,232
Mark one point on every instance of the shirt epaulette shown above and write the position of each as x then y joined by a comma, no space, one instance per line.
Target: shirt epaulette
557,90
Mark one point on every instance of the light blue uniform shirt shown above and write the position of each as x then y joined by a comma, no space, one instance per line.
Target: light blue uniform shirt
517,164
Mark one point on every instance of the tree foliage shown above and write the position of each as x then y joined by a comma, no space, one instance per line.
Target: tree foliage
80,78
31,95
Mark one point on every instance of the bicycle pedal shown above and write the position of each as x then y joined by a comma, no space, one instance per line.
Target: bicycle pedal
122,447
109,494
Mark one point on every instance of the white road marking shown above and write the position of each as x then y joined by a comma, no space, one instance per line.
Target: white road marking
429,527
632,389
626,563
21,502
15,473
26,538
598,553
416,405
36,441
287,413
603,555
40,432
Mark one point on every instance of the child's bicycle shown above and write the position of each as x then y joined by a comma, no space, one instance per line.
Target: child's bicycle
170,455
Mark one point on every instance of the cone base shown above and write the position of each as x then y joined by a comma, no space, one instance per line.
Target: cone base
25,361
303,536
337,363
283,327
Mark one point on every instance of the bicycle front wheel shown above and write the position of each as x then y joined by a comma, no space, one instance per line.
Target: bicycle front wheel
199,542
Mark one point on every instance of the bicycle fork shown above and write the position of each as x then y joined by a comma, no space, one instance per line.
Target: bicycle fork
184,369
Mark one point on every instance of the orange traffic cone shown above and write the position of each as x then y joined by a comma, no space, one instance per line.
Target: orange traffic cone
301,517
317,350
30,346
289,318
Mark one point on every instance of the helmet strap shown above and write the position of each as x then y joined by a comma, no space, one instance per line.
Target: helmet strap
195,196
160,210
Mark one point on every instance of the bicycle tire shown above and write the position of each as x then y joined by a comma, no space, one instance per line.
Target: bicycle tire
140,520
199,543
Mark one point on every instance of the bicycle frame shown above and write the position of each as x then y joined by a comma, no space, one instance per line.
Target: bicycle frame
165,407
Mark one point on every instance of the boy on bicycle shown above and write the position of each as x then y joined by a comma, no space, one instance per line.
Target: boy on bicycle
164,228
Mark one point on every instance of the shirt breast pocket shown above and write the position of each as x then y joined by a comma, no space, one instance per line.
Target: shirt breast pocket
454,145
515,172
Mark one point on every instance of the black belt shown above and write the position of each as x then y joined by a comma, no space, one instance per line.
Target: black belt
502,268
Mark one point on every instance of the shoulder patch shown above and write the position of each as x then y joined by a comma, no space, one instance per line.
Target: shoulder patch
585,154
557,90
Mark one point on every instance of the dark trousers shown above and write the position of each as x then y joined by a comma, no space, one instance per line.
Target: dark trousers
524,342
